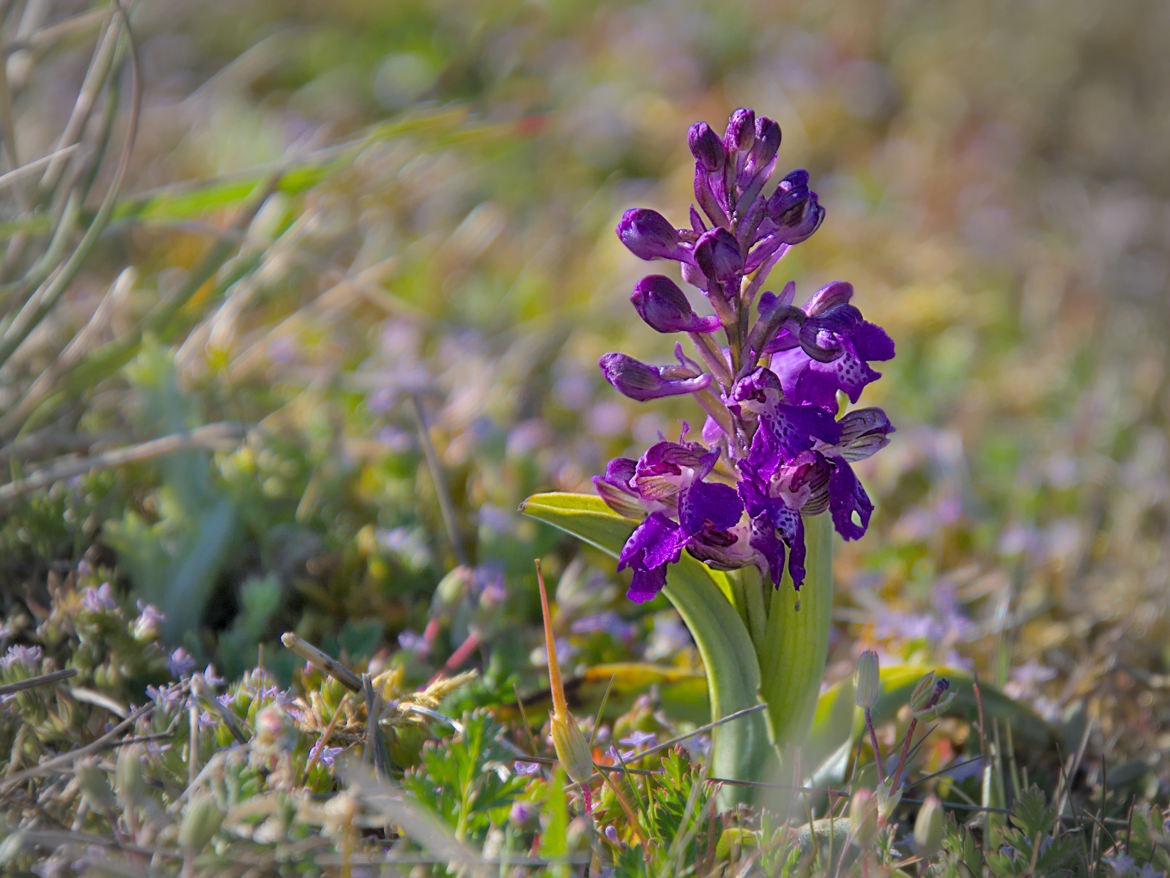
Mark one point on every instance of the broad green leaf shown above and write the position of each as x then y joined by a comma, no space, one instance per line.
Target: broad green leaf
741,747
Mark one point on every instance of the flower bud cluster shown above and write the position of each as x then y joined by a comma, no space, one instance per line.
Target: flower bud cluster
775,447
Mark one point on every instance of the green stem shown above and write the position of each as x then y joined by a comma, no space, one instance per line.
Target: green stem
755,612
792,660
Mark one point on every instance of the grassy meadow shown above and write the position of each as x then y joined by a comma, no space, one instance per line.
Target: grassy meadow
300,301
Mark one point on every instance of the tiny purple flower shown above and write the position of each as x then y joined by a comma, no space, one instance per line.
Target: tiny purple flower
98,600
521,813
524,768
211,677
414,642
180,662
638,739
28,656
168,697
324,755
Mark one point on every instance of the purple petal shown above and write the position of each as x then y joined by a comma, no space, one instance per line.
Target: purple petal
617,490
649,235
665,307
640,381
872,343
847,498
708,502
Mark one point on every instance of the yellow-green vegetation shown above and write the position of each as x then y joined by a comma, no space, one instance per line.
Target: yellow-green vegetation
299,301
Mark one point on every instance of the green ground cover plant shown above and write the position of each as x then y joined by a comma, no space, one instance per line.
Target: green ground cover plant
299,304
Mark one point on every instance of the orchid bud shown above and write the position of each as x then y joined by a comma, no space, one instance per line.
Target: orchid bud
741,129
766,145
717,254
649,235
665,307
929,827
708,150
794,209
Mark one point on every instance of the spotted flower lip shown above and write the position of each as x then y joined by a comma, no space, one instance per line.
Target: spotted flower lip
770,387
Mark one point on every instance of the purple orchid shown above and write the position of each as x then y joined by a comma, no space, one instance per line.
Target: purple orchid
770,389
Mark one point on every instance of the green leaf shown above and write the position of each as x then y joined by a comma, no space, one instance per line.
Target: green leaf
742,747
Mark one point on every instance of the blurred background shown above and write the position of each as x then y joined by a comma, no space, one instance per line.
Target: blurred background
334,228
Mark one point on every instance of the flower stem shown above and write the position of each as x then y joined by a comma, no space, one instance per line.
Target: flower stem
792,661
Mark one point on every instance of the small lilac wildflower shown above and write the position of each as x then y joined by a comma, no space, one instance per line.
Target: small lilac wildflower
28,656
211,677
619,756
168,697
180,662
98,600
775,447
521,813
325,755
638,739
414,642
1120,864
524,768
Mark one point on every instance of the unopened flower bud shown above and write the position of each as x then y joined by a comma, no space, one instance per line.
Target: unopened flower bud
649,235
931,697
741,129
866,680
717,254
665,307
272,725
95,786
129,775
929,828
863,818
146,626
887,798
201,821
923,692
793,208
708,150
767,143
